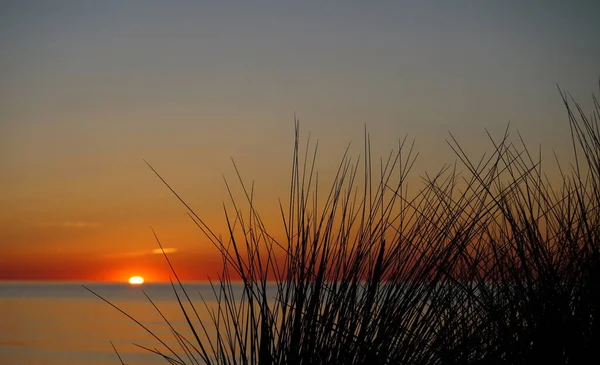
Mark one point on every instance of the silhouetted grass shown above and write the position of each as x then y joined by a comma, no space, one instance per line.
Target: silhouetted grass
488,262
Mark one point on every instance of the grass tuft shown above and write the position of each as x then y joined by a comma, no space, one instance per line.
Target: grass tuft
488,261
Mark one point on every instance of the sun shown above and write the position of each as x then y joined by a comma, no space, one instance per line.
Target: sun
136,280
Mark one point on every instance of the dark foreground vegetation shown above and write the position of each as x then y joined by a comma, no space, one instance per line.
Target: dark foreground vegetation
489,261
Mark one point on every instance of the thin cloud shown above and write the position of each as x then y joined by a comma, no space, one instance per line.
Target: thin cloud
157,251
69,224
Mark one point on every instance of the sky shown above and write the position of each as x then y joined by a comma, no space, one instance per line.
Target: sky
91,89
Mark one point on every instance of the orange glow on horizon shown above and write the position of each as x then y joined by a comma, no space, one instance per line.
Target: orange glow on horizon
191,266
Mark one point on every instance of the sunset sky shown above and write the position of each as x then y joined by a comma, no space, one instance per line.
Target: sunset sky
89,89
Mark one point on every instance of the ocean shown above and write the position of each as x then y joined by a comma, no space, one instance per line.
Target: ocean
63,323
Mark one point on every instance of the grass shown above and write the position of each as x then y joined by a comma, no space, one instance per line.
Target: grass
488,262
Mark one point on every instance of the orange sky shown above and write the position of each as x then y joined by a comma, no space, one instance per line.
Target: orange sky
110,250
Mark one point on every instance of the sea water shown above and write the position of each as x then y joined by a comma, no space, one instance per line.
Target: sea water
63,323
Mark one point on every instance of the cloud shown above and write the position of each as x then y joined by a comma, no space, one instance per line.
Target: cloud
157,251
70,224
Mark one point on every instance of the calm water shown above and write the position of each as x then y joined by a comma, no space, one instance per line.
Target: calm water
62,323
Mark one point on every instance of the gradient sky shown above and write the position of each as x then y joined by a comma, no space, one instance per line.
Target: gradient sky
88,89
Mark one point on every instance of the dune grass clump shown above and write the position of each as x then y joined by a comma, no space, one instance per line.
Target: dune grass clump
488,261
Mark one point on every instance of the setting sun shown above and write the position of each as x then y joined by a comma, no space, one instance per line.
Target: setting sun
136,280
